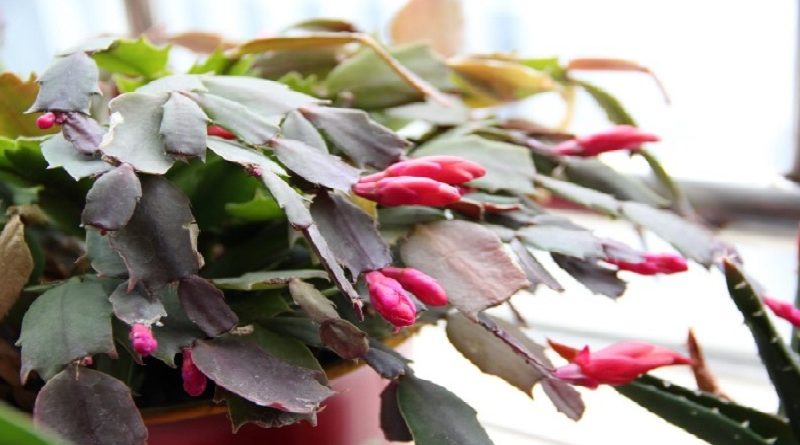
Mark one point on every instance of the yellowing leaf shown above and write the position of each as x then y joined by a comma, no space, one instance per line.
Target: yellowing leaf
492,81
16,263
16,95
437,22
315,40
602,64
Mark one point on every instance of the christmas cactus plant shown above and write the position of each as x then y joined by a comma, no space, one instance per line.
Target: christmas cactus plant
219,235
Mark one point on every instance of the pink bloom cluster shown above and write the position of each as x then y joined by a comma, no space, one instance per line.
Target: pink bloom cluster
388,289
194,381
787,311
142,339
216,130
617,364
428,181
621,137
654,263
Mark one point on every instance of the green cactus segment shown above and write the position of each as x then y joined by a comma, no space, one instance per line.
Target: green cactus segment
764,424
780,361
707,423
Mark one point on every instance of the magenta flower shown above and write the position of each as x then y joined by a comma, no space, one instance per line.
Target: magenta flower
142,339
784,310
46,121
390,299
617,364
406,190
451,170
621,137
194,381
654,263
425,287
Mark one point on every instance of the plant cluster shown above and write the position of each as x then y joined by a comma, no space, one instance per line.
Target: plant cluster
173,235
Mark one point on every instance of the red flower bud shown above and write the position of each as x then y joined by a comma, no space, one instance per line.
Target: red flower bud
404,190
194,381
448,169
46,121
425,287
142,339
216,130
784,310
390,299
621,137
618,364
654,263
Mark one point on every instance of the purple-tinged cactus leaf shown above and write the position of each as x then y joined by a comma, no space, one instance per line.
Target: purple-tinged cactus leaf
232,361
173,84
387,362
298,128
105,260
112,199
392,423
363,140
84,133
318,307
350,232
493,356
242,411
156,244
250,159
177,331
89,407
183,127
242,121
586,197
435,416
566,241
59,152
134,306
534,270
598,279
343,338
263,97
469,262
67,85
133,136
290,201
65,323
563,396
314,165
329,262
204,304
271,279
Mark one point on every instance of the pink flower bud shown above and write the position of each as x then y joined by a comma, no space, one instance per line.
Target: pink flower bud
194,381
621,137
617,364
216,130
46,121
425,287
654,263
405,190
448,169
390,299
142,339
784,310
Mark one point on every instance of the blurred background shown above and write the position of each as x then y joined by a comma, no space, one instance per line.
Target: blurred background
729,136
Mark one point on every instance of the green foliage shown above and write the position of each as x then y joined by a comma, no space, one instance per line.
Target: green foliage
138,58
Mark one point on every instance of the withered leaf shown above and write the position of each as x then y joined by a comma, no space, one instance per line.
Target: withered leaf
16,263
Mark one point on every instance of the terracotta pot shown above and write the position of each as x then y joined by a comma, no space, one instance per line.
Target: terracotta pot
351,417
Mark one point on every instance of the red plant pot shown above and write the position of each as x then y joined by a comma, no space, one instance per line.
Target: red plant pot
350,417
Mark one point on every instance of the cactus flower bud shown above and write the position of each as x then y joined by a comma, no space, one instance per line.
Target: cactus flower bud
654,263
451,170
46,121
617,364
390,299
142,339
194,381
405,190
216,130
784,310
425,287
621,137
